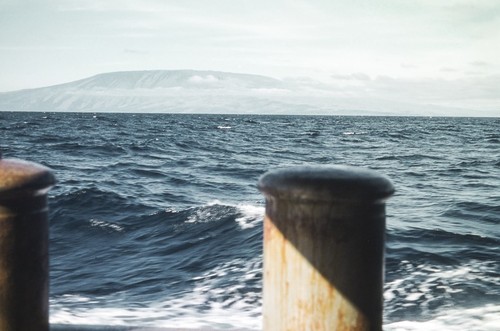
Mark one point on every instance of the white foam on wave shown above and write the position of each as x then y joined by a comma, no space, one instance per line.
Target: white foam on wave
251,215
158,317
181,313
212,303
109,226
420,281
434,291
350,133
200,216
485,318
248,217
215,303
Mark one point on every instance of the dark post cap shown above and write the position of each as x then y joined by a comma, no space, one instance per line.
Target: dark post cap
324,183
19,176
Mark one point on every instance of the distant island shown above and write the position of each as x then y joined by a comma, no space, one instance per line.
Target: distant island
197,91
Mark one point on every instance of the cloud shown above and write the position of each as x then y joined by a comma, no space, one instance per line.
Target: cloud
271,91
448,69
411,39
354,76
40,48
143,6
135,51
479,92
474,12
203,79
408,66
481,64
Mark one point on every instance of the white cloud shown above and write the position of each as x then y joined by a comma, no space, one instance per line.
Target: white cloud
147,6
481,93
203,79
271,91
480,64
135,51
354,76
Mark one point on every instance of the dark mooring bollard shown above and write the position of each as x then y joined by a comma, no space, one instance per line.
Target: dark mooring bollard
24,246
324,248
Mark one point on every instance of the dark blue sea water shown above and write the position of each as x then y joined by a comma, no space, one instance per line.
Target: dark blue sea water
156,219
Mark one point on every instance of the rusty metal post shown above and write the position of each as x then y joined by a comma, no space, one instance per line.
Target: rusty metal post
324,248
24,280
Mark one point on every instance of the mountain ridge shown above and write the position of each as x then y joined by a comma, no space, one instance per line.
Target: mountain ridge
201,91
158,78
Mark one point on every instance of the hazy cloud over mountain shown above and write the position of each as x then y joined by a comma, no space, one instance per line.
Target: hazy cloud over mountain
190,91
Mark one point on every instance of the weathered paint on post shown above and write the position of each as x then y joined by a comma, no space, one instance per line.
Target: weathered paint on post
323,248
24,246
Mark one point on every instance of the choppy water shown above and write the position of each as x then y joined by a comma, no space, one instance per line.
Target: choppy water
156,219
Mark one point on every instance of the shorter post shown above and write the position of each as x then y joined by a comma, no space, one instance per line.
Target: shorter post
323,248
24,269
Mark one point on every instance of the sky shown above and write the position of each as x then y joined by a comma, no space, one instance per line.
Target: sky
429,51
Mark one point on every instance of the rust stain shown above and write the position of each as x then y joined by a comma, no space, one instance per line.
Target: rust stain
296,295
267,229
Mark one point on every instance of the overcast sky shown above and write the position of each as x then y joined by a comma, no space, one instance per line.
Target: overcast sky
445,52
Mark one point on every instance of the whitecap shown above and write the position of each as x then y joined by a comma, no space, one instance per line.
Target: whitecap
251,215
106,225
196,309
248,215
483,318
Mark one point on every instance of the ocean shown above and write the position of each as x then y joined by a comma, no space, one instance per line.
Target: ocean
156,219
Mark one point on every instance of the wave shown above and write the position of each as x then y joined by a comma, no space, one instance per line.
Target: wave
153,211
477,211
422,290
483,318
164,246
426,237
212,302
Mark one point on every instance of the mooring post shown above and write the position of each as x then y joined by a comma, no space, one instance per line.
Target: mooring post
324,248
24,269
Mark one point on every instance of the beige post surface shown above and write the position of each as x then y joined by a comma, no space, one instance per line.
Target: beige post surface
323,248
24,246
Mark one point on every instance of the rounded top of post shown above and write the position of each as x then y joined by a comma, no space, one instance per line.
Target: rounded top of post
324,183
20,176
